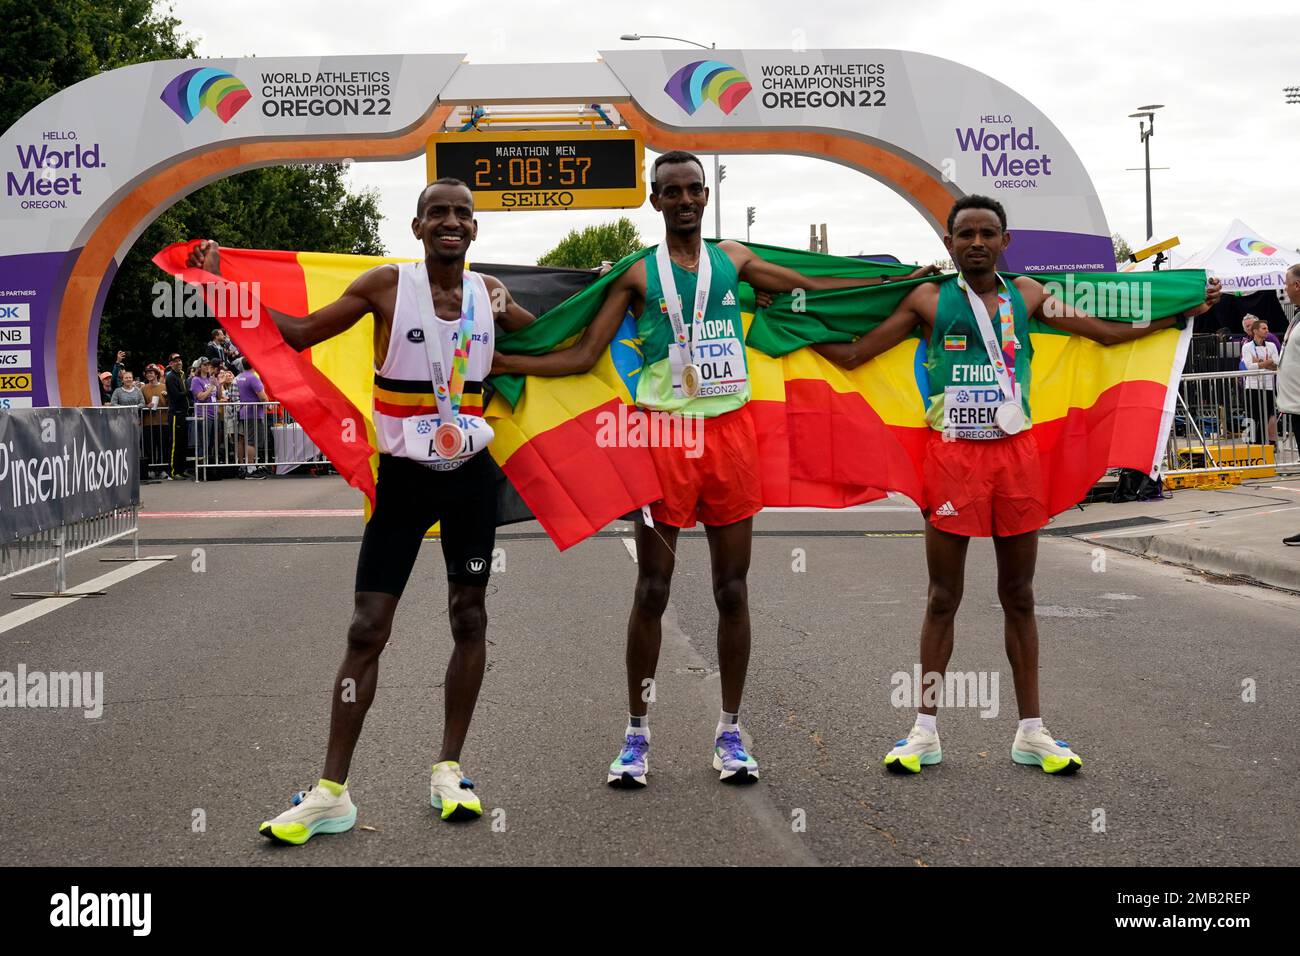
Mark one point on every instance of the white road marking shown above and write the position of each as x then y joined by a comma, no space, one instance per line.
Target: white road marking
42,607
630,544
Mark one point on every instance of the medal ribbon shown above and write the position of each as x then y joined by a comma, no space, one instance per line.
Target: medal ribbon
681,353
448,395
1003,360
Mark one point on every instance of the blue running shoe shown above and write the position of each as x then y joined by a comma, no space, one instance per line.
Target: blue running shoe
632,764
732,761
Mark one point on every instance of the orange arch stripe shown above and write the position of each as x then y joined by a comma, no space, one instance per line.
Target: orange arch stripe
904,176
92,264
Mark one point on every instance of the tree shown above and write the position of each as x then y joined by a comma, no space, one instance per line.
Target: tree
47,46
587,249
280,207
1122,249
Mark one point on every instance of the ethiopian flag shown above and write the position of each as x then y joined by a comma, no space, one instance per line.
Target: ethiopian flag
827,437
1093,407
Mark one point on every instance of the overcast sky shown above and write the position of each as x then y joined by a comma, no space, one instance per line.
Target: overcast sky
1231,142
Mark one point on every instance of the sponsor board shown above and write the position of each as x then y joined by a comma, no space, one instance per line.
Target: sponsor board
16,360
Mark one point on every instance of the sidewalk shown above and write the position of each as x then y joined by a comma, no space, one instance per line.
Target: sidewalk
1235,532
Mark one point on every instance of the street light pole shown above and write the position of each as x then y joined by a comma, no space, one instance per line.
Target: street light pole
1146,118
718,168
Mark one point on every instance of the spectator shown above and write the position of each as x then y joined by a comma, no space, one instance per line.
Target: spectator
219,348
105,388
208,393
178,406
1247,324
118,365
1260,354
1287,396
251,427
155,420
128,393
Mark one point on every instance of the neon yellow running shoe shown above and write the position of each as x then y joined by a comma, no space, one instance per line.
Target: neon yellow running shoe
323,808
1041,749
452,793
918,749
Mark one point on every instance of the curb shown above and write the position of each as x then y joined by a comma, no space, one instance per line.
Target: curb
1249,565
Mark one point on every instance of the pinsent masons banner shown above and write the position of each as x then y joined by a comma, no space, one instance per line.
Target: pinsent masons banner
59,465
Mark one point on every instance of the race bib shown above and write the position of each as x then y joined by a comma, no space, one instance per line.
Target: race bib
417,435
721,362
969,411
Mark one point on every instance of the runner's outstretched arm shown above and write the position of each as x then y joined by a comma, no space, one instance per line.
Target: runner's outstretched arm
883,337
1059,315
508,313
769,277
581,356
302,332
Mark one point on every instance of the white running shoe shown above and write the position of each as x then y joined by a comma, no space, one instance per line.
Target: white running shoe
918,749
452,793
732,761
1041,749
315,810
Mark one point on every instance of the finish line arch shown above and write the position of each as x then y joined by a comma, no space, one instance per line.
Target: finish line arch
90,168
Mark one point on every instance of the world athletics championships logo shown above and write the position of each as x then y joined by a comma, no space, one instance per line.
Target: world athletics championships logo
707,80
206,88
1245,246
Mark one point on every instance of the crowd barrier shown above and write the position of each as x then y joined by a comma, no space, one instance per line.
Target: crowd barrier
234,438
226,440
68,484
1227,422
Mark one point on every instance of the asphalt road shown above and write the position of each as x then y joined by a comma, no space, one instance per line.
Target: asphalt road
216,684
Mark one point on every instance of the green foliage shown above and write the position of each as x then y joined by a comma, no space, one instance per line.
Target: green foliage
588,248
49,45
279,207
1122,249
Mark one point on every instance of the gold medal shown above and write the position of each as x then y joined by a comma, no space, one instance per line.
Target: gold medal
691,380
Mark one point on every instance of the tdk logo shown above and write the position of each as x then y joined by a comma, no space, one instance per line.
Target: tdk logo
415,335
15,313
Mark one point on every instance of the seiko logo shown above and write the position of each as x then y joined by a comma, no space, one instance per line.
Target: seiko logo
476,565
416,335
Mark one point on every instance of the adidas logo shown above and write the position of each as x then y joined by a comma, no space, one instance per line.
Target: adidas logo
946,510
729,298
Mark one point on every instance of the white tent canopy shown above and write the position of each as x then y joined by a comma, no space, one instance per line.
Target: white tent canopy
1243,261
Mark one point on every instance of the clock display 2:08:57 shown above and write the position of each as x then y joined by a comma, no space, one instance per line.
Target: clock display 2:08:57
534,171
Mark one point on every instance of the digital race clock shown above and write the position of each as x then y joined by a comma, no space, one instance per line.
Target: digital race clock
599,169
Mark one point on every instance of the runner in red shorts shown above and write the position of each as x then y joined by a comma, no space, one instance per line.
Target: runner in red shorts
982,474
686,297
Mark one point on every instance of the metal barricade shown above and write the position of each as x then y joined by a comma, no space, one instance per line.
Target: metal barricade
55,545
1227,422
154,441
243,439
